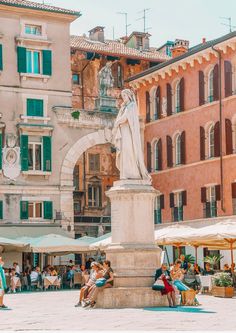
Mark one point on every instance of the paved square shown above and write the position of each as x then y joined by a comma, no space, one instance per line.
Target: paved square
56,311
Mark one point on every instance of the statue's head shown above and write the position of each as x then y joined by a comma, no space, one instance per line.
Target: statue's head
109,64
128,95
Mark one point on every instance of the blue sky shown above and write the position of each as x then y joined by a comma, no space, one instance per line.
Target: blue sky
168,19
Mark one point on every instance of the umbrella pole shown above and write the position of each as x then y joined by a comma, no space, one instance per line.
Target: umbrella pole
178,252
232,256
196,247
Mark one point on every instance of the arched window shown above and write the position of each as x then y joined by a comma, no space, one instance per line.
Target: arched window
177,98
211,142
157,104
156,156
178,150
211,86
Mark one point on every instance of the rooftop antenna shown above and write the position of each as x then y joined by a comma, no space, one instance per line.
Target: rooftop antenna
144,18
126,21
229,24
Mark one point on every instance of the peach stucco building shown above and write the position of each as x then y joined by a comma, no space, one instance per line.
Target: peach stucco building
189,106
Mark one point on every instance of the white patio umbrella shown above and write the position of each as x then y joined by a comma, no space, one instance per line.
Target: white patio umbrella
176,235
101,242
221,235
57,244
9,245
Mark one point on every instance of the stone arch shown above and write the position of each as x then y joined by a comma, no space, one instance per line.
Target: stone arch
67,168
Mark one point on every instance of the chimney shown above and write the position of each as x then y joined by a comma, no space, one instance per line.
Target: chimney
203,40
180,47
97,34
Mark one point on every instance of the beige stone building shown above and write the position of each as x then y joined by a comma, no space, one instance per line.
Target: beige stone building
35,77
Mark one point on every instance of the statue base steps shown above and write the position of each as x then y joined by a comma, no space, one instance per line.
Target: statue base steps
130,297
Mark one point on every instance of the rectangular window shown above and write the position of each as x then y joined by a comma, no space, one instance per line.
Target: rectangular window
31,29
139,42
76,79
33,61
34,107
211,203
35,210
177,210
77,208
94,162
94,196
76,177
35,154
157,211
1,210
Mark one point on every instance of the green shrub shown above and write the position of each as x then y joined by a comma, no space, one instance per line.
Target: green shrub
75,114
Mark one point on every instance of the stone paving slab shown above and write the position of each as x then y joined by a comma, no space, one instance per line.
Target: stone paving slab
56,311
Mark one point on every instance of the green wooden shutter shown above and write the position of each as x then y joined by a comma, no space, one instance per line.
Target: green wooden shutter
47,153
24,213
21,59
48,210
1,151
1,210
47,62
1,62
24,141
34,107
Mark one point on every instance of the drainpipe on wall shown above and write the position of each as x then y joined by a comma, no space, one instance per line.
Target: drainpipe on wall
221,130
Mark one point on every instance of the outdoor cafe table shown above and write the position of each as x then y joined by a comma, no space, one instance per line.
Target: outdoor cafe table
16,282
51,281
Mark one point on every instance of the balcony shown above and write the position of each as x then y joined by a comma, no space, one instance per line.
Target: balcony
92,219
83,118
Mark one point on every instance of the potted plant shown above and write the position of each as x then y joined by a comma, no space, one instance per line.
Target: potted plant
222,285
213,260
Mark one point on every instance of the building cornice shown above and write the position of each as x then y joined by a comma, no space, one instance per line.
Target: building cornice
198,54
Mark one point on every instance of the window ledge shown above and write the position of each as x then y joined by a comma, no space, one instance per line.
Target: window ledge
36,173
28,40
42,77
26,118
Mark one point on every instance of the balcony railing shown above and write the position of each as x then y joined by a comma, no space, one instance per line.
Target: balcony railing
84,118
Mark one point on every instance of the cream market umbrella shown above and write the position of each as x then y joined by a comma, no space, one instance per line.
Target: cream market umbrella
57,244
221,235
101,242
10,245
176,235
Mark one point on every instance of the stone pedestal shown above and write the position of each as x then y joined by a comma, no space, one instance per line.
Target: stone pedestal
106,104
133,253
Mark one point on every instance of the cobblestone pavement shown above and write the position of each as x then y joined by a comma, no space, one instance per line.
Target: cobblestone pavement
55,311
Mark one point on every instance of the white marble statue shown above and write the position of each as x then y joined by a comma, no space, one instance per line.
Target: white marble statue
127,140
106,80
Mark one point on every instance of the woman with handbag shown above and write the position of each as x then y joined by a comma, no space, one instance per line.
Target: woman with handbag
3,285
101,283
162,278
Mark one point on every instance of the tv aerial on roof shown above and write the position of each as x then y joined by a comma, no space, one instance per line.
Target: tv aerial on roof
229,24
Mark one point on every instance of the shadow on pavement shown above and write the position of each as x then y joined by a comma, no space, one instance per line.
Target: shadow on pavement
179,309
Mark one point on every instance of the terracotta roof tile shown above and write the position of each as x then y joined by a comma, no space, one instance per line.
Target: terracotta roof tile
38,6
115,48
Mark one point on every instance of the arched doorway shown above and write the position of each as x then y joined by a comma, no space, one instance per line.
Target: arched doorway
100,137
